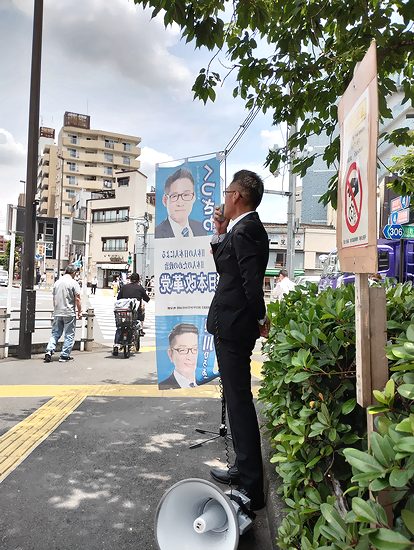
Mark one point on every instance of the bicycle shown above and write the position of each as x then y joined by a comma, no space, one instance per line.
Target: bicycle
130,327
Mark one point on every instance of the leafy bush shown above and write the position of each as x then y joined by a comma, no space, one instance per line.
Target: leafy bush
312,417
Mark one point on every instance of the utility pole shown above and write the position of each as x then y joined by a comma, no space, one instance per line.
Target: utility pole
144,222
291,214
28,295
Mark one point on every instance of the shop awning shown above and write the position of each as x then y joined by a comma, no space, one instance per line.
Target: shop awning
122,267
275,272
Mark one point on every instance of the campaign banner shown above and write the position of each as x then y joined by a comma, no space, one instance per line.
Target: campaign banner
185,274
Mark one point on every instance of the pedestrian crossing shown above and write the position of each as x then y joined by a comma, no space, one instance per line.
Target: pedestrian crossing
104,329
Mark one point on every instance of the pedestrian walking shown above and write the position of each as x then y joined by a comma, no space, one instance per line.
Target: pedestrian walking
236,318
115,286
66,307
283,286
94,284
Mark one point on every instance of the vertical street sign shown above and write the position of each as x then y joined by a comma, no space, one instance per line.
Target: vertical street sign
358,121
357,220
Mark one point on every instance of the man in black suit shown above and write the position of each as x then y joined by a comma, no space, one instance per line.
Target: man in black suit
183,354
237,317
178,199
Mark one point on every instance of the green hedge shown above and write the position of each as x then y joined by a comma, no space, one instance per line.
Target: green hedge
309,402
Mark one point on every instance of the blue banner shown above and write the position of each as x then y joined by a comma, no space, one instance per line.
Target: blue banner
185,274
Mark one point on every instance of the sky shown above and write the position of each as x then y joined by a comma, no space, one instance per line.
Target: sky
109,60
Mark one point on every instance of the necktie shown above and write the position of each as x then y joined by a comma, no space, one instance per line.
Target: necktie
185,232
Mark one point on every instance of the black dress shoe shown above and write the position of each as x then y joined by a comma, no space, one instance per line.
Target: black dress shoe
256,502
230,476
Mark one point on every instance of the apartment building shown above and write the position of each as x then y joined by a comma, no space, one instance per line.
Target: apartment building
83,159
120,229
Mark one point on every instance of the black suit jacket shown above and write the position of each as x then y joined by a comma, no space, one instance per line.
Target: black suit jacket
241,260
169,383
164,229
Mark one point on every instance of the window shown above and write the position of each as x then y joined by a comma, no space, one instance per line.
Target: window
117,244
90,178
109,157
70,192
73,138
72,166
127,146
383,260
109,143
108,170
107,184
123,182
73,153
280,259
110,216
126,160
71,180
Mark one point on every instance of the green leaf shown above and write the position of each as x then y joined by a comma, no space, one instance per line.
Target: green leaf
405,445
399,478
363,461
301,377
389,389
364,510
335,521
380,397
348,406
406,390
408,517
410,333
385,539
382,449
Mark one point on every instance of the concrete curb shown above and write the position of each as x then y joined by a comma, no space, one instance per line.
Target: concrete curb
274,504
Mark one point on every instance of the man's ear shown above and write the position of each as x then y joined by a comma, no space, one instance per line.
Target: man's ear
169,353
164,200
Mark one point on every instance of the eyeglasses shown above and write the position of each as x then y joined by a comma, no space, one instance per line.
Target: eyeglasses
186,351
186,196
231,191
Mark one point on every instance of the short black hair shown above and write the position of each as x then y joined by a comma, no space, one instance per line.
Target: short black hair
251,186
134,278
182,328
71,269
181,173
284,273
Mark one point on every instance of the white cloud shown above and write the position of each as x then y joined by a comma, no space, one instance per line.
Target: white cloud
272,138
149,158
118,38
11,152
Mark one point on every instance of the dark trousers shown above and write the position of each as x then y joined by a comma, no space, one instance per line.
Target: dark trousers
234,364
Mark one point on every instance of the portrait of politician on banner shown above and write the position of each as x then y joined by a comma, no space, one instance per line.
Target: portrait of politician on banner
184,202
185,353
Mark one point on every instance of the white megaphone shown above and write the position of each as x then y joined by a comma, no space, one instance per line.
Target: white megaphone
194,514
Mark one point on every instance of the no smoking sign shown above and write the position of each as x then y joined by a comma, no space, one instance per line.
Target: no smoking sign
353,198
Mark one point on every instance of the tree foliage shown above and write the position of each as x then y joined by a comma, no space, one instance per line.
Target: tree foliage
295,59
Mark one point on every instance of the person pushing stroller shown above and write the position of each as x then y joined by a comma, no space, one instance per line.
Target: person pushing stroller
132,290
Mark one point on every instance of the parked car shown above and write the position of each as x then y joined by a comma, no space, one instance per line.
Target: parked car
303,280
395,260
4,277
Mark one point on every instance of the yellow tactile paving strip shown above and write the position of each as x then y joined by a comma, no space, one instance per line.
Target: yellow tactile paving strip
22,439
17,444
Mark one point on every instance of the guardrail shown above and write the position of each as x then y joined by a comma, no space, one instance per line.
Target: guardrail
85,342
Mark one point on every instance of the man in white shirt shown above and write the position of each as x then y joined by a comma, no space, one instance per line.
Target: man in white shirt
283,286
178,199
66,307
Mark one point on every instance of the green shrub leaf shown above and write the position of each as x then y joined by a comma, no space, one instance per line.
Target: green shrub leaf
385,539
